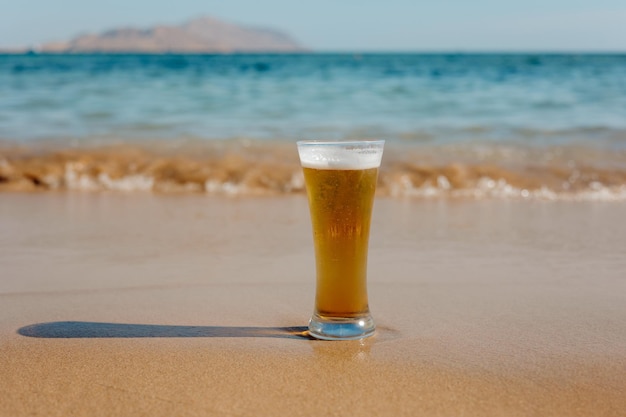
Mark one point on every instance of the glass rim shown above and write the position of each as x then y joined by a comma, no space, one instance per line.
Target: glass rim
314,142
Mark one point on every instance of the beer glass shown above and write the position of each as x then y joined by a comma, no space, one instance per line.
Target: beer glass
340,179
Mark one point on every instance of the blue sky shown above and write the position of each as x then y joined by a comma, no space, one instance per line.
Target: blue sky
347,25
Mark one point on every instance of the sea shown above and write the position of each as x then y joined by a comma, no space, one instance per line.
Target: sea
466,125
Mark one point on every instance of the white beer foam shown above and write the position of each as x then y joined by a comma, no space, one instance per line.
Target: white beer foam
341,155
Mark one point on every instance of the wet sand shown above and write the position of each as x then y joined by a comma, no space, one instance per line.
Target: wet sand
142,304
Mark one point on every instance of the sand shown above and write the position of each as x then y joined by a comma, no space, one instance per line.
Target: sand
140,304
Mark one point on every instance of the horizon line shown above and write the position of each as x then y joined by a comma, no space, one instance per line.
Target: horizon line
468,51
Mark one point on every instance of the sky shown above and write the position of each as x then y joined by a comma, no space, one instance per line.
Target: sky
346,25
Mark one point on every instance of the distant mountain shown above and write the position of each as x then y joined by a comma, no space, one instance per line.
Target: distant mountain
204,34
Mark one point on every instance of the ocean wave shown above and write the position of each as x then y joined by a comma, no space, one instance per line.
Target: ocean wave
255,169
433,98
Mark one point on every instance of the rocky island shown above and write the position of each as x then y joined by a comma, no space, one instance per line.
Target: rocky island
200,35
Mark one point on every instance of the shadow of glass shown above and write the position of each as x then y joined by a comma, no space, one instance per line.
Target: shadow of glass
89,330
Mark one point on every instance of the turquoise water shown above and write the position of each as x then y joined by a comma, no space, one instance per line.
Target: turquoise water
414,98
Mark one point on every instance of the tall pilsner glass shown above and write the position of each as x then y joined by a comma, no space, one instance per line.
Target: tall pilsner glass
340,180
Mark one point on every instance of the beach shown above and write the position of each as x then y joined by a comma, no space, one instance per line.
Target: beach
156,251
154,304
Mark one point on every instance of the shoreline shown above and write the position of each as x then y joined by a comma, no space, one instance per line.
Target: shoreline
271,168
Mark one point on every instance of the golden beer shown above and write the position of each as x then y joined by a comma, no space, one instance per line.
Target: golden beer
341,208
340,179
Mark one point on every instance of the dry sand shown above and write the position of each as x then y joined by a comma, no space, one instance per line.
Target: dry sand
114,304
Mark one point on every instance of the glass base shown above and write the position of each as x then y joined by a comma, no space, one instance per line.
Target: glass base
338,328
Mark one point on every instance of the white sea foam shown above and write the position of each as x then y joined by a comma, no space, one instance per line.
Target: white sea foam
340,155
488,188
127,183
75,179
225,188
